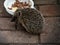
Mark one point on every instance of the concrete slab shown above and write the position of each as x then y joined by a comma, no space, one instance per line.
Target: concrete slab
52,27
17,37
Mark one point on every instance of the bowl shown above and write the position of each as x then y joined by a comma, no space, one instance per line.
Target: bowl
8,3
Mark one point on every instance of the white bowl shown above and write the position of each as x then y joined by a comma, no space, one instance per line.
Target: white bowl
8,3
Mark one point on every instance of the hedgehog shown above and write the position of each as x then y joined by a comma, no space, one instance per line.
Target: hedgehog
30,19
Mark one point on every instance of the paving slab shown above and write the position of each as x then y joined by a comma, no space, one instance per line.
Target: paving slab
50,10
5,23
45,1
52,27
17,37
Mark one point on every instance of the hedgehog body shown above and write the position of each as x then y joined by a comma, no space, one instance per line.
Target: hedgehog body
31,20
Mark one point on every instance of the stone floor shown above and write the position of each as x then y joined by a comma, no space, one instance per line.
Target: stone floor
8,34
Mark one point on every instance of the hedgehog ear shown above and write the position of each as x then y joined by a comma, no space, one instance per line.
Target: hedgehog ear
20,13
13,19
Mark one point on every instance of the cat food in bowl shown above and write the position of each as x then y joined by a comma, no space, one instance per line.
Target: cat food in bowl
12,5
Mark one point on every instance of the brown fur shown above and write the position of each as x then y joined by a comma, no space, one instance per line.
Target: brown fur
31,20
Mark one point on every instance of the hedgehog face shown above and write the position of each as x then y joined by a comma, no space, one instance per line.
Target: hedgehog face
17,15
